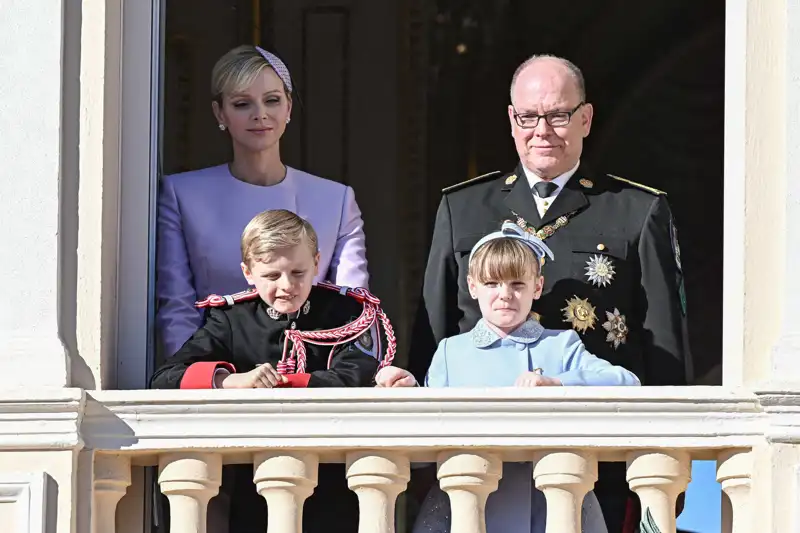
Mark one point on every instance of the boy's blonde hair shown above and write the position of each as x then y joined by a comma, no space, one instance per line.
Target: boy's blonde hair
236,70
275,230
503,260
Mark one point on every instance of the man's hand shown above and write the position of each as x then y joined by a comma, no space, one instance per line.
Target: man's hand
261,377
391,376
535,379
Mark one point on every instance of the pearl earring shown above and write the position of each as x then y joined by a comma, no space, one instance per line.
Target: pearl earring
288,119
222,127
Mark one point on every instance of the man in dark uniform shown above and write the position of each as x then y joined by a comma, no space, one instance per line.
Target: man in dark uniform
616,278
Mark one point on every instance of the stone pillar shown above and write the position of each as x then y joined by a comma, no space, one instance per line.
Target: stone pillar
734,471
658,477
189,480
377,479
96,219
761,337
285,480
468,479
784,368
564,478
762,227
112,477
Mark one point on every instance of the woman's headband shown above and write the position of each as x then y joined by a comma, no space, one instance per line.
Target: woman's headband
512,231
278,66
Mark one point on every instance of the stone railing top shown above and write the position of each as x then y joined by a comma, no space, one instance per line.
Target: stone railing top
420,421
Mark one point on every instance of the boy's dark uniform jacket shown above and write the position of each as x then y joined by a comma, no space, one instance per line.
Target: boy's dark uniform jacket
626,225
244,335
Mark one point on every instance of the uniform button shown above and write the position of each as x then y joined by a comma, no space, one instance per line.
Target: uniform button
520,346
293,326
601,247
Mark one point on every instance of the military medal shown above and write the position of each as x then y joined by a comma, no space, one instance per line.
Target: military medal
616,327
587,183
600,270
580,314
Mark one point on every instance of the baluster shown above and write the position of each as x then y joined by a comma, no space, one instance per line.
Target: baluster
468,479
377,479
112,477
734,469
658,478
285,480
189,481
564,477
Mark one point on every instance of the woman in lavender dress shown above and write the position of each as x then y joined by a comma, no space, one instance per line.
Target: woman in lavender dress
202,213
201,216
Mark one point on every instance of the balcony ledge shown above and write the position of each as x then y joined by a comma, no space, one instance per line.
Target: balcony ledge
610,420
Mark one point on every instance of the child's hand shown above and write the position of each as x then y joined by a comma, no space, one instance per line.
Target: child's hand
536,379
261,377
391,376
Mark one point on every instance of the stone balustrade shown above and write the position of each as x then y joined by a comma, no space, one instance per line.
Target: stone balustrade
285,435
285,479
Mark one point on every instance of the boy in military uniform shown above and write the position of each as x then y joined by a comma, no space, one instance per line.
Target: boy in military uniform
286,332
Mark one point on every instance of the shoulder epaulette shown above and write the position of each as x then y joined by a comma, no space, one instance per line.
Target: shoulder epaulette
359,293
638,185
215,300
333,287
478,179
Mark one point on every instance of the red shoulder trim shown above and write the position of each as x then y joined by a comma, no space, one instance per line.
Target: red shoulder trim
215,300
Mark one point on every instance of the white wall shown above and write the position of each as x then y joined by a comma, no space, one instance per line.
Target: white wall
786,356
30,150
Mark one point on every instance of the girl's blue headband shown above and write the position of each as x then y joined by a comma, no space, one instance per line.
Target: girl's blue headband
512,231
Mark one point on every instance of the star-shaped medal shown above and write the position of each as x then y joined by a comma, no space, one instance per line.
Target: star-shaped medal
616,327
580,314
600,270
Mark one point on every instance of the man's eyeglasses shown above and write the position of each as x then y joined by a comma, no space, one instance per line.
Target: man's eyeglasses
556,119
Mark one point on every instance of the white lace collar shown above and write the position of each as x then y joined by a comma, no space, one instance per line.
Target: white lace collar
528,332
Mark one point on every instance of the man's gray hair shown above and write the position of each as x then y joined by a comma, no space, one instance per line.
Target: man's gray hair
571,67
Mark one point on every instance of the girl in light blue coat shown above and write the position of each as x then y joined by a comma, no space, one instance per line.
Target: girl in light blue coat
508,347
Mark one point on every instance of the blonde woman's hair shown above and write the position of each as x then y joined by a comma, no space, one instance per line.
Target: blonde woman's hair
275,230
237,70
503,260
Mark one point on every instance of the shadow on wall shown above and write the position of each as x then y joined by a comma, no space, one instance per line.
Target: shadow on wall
80,374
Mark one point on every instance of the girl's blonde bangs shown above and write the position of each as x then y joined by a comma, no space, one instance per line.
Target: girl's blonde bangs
503,260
